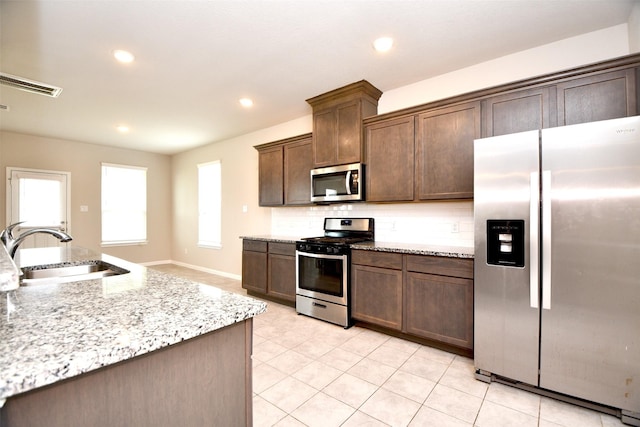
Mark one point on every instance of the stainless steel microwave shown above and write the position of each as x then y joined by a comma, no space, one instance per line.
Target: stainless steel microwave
344,183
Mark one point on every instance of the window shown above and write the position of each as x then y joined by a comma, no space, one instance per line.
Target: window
210,204
124,204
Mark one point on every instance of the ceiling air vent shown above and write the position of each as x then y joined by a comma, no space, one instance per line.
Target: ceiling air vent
29,85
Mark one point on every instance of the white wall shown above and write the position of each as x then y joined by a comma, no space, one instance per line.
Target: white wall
431,222
83,161
634,29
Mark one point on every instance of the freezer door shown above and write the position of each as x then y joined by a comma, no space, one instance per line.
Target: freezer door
506,296
590,324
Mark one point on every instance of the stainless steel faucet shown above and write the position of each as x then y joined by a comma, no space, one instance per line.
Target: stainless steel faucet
12,243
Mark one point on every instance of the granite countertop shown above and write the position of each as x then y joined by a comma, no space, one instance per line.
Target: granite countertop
417,249
53,332
270,238
405,248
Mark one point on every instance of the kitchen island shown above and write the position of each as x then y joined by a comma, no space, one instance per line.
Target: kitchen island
141,348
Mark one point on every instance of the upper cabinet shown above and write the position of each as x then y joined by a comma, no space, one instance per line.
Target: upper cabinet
284,172
596,97
337,123
270,176
390,154
518,111
425,152
444,151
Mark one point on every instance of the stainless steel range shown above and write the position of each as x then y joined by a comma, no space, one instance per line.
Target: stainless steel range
323,267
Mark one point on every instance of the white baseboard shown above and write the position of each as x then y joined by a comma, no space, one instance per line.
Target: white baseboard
194,267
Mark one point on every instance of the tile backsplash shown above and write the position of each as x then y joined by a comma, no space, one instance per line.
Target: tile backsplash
435,223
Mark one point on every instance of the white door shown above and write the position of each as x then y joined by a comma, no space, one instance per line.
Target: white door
40,199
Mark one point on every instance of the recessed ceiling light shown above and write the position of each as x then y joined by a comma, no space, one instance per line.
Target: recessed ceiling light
246,102
383,44
123,56
123,128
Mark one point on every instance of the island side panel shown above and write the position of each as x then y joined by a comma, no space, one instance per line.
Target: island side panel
202,381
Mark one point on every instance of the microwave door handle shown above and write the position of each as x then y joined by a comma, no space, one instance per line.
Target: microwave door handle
348,182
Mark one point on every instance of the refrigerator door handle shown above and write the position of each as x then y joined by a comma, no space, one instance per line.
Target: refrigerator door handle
546,240
534,237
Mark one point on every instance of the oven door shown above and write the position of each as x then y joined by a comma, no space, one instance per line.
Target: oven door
321,276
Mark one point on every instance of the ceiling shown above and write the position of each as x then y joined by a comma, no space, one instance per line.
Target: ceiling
196,59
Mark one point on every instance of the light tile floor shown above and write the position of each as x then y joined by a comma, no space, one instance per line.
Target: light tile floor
311,373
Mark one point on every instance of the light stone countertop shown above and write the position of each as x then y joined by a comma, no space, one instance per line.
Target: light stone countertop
417,249
405,248
57,331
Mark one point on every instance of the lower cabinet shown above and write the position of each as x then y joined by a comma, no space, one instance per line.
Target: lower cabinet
254,265
424,296
440,308
281,281
269,268
376,293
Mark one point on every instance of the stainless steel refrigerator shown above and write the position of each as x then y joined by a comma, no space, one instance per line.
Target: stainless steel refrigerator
557,261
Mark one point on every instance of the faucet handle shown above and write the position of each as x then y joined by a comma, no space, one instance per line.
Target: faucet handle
7,233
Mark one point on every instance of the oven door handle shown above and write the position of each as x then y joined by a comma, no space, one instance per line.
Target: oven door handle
323,256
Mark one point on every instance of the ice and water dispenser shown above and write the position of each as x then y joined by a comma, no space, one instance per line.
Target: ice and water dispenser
505,242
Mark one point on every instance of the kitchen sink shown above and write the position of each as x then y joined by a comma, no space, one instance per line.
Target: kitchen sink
69,272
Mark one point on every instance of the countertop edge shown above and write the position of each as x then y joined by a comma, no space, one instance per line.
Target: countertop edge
402,248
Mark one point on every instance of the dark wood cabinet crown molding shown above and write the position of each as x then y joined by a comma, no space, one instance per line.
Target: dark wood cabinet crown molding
628,61
357,90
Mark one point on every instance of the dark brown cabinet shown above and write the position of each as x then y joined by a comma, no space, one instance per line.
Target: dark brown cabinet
444,151
269,269
298,162
600,96
284,172
337,123
282,271
254,265
338,134
271,176
423,296
439,299
518,111
390,154
376,288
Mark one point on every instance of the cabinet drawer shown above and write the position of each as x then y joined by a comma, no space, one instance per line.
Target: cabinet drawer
454,267
282,248
377,259
254,245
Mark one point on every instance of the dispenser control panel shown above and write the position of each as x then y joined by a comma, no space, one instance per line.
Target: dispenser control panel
505,242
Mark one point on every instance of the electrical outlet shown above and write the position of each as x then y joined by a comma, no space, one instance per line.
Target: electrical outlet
455,227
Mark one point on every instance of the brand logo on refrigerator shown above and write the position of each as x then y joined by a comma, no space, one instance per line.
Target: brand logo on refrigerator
628,130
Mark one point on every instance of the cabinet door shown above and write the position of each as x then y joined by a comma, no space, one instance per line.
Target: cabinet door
298,162
598,97
282,276
349,137
270,179
390,151
518,112
337,135
254,271
444,151
324,137
376,296
440,308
